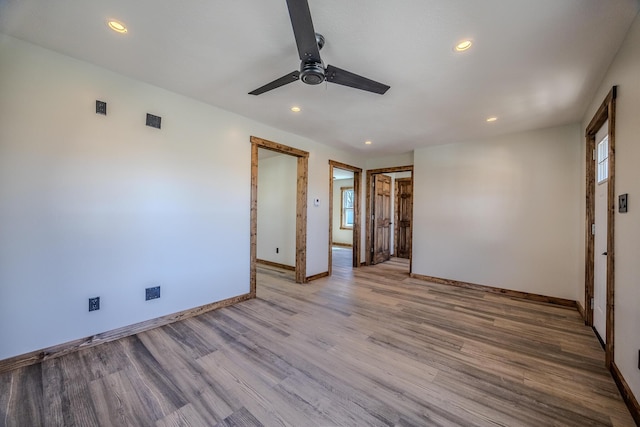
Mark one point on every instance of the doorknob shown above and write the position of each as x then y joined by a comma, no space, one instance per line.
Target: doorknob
604,253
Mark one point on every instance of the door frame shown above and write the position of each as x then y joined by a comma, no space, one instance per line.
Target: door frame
606,111
369,223
301,207
357,172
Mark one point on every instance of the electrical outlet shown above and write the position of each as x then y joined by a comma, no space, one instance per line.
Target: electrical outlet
101,107
152,293
94,304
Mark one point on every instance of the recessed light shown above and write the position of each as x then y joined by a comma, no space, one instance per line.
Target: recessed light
295,109
463,45
368,142
117,26
492,119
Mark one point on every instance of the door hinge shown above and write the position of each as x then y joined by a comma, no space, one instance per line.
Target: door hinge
593,229
591,303
593,154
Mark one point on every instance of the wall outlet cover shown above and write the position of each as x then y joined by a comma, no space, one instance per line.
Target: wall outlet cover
101,107
622,202
94,304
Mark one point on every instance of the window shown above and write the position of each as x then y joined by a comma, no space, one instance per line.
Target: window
603,159
346,213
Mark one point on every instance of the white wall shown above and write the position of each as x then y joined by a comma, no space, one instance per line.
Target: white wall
625,72
502,212
340,235
277,190
105,206
390,161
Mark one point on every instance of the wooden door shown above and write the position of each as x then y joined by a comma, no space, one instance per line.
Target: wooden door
381,218
404,207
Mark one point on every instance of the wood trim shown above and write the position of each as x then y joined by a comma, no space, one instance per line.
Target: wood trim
38,356
280,148
344,166
344,245
408,168
368,208
301,220
580,309
253,228
491,289
606,111
318,276
275,264
611,215
357,177
301,206
590,218
331,189
626,393
602,113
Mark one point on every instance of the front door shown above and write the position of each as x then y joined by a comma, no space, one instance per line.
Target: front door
600,238
381,218
404,202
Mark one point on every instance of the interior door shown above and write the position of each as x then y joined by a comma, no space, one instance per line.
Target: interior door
381,218
404,202
600,238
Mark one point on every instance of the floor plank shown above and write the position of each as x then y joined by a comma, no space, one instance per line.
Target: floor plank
370,346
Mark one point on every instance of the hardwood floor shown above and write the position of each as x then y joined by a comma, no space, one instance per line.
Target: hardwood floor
365,347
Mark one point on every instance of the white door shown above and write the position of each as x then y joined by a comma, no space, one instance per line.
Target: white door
600,240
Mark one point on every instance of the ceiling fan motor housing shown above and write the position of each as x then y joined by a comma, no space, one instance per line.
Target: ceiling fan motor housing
312,73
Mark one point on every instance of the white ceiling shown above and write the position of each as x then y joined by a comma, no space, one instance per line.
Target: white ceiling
533,63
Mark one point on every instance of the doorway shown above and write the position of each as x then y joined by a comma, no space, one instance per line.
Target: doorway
381,243
344,214
302,172
604,252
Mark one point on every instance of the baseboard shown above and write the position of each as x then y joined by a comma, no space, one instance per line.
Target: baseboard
344,245
627,394
508,292
580,309
69,347
317,276
275,264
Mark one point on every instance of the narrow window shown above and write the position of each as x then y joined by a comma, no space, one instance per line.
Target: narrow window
346,213
603,159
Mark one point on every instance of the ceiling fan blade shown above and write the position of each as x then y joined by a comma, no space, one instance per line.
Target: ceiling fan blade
289,78
303,30
347,78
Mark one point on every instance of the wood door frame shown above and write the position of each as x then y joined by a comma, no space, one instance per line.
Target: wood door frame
369,223
606,111
357,172
301,207
396,214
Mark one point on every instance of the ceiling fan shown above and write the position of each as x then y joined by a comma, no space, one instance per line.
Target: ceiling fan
312,70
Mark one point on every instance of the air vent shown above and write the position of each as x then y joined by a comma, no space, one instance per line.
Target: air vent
153,121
